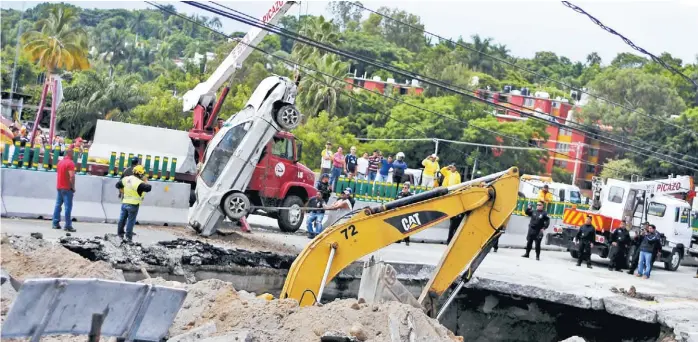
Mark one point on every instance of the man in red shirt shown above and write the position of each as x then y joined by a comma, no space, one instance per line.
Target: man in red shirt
65,184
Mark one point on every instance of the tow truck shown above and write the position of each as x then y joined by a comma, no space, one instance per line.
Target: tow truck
488,202
662,202
277,179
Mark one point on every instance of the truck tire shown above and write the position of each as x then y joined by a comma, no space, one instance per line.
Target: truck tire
287,117
235,205
291,219
673,263
574,254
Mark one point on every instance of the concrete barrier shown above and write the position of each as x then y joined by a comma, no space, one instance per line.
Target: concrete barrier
167,203
32,194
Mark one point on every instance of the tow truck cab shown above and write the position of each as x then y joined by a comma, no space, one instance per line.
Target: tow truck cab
531,185
634,203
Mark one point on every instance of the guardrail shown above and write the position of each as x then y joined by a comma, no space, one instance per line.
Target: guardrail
158,171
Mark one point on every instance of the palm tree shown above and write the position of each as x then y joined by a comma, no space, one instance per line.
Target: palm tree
319,30
138,23
56,43
114,47
478,61
321,92
215,23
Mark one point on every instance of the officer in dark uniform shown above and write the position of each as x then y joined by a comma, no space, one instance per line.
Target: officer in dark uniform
620,239
586,235
539,222
636,241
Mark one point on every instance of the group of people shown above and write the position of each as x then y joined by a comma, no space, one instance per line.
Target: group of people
318,205
132,188
648,243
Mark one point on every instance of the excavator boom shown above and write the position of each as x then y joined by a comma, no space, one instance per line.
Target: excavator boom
487,202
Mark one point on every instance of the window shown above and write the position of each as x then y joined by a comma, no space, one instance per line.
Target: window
283,148
562,147
560,163
615,194
528,102
575,197
685,214
593,152
561,195
556,104
565,131
586,185
656,209
221,154
590,168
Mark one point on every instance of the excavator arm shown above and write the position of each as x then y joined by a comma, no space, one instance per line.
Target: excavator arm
487,202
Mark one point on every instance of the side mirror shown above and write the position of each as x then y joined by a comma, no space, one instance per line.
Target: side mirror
299,151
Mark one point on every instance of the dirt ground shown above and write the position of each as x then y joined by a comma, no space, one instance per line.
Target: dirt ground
217,302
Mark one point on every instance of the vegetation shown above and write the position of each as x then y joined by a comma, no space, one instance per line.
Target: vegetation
134,66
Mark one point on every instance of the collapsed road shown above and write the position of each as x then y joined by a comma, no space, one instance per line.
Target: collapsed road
548,292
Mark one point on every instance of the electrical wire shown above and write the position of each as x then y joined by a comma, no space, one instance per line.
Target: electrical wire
292,35
514,65
292,63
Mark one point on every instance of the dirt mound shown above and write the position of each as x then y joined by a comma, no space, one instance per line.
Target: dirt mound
27,257
283,320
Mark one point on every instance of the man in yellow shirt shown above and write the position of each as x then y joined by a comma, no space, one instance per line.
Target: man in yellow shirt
451,175
545,195
431,165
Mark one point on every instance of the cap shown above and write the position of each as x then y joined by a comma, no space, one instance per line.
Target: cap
324,175
433,155
406,183
347,191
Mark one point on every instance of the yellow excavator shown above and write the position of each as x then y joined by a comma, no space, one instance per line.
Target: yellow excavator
487,203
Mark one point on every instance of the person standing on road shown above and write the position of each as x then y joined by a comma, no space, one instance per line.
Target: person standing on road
128,172
405,192
65,185
586,235
620,239
536,227
399,167
636,241
350,162
431,165
648,247
337,166
362,167
326,160
373,164
135,187
314,225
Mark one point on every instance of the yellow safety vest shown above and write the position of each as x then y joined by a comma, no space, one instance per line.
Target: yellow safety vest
131,184
430,167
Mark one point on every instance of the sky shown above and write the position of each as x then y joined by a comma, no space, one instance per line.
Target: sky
523,26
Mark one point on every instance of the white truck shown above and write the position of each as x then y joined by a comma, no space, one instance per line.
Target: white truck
531,185
661,202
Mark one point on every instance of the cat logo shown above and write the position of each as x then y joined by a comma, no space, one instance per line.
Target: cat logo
415,220
411,221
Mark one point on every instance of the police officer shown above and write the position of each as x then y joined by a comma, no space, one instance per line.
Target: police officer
586,235
636,241
134,187
620,239
405,192
539,222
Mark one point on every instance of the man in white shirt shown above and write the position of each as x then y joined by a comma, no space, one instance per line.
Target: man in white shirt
326,163
362,167
339,208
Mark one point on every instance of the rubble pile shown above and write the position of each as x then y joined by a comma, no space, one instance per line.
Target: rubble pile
213,308
173,255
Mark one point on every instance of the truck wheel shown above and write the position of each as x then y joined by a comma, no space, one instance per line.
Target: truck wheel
673,263
574,254
287,117
235,205
291,219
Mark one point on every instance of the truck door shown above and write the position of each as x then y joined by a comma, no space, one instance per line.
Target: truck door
278,166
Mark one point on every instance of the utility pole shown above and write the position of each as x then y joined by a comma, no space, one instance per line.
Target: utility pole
472,175
436,149
576,163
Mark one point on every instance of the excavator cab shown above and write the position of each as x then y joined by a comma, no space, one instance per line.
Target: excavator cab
487,203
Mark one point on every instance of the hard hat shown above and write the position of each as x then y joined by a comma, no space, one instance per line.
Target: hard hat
400,155
347,191
139,170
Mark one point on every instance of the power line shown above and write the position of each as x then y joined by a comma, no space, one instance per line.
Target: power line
503,147
630,43
325,47
514,65
292,63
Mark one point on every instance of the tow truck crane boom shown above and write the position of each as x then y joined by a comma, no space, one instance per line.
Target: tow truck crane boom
488,203
201,98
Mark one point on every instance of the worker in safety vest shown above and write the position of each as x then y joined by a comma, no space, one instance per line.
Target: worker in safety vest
135,187
545,195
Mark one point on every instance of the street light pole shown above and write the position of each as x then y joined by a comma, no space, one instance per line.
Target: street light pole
576,163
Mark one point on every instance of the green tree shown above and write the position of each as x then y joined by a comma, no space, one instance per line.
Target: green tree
319,92
317,29
114,49
561,175
620,169
345,13
315,132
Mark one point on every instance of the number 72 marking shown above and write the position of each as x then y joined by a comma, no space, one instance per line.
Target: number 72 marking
349,231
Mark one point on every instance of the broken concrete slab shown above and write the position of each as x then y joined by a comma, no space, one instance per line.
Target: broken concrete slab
195,334
632,308
232,336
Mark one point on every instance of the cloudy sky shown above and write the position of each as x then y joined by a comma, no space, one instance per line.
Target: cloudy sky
524,26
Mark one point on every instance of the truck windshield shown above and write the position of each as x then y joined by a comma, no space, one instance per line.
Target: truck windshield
221,154
575,197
